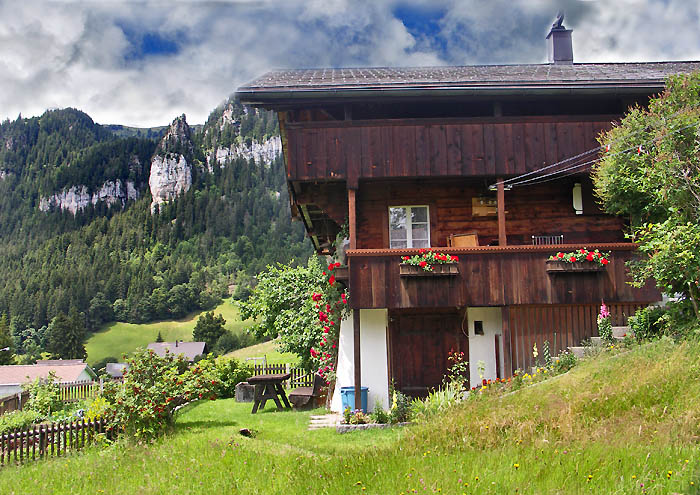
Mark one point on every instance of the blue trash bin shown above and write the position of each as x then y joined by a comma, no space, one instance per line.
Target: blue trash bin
347,396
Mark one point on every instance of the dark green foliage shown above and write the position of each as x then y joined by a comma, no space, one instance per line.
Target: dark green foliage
230,372
159,337
209,329
5,341
66,336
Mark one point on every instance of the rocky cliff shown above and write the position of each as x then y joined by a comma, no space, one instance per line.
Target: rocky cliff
78,197
171,166
262,152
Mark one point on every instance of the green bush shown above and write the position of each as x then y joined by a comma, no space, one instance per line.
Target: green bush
19,420
564,362
143,405
437,401
229,373
44,395
400,411
646,323
379,415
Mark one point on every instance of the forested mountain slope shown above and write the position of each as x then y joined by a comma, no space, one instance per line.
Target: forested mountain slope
132,228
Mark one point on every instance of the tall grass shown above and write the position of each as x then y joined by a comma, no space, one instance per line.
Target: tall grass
611,425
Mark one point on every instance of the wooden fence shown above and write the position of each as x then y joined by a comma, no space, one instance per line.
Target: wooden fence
46,440
70,392
299,378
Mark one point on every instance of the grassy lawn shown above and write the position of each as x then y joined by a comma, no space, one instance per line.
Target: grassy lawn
268,349
623,424
118,338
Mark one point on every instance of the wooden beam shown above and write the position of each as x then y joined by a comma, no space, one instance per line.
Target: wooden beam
501,213
356,354
352,223
507,351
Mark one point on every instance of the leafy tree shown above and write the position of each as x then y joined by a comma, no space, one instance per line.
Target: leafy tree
658,185
281,303
209,329
5,341
159,338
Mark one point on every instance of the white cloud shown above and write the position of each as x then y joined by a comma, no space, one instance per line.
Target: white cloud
72,53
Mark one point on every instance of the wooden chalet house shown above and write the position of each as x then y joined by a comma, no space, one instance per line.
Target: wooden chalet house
409,157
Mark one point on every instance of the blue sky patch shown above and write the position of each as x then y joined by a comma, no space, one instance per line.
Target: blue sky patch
148,43
422,22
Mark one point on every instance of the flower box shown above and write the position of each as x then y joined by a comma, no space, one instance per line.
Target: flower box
438,270
580,267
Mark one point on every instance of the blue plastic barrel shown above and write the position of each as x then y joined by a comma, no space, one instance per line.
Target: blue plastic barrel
347,395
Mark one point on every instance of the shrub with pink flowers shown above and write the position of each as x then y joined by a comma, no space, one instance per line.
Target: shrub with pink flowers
605,325
426,258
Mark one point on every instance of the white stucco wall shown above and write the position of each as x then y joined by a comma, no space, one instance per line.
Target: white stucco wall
373,358
482,347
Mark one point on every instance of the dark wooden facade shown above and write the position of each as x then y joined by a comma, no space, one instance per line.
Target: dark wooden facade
483,147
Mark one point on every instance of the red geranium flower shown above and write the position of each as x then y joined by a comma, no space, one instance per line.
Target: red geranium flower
560,255
422,264
589,257
331,280
572,259
604,261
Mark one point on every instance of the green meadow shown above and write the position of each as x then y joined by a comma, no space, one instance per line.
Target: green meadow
118,338
616,424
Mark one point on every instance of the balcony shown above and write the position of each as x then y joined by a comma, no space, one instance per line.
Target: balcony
492,276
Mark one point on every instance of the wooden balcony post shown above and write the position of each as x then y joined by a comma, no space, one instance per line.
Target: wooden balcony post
352,225
501,213
356,354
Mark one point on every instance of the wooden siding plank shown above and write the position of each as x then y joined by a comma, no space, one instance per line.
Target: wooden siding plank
454,150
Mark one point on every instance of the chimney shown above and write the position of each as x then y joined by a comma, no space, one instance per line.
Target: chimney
559,46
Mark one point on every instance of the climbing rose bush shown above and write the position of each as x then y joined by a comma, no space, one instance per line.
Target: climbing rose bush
143,405
331,304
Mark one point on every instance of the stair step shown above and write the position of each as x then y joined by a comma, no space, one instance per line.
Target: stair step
577,351
620,332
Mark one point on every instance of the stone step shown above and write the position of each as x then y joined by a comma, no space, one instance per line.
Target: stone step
324,421
620,332
597,341
577,351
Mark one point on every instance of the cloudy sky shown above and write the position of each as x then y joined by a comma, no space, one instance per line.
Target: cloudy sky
142,63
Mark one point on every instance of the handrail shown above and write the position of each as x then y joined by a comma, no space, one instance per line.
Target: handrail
523,248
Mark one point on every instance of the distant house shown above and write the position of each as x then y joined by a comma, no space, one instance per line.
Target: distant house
12,377
116,370
189,350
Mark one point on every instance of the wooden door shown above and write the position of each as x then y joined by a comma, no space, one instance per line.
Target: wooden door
419,345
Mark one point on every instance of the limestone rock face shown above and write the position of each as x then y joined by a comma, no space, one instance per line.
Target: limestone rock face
170,176
171,169
78,197
262,152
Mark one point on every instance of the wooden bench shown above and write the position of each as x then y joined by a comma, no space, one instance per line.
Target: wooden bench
302,397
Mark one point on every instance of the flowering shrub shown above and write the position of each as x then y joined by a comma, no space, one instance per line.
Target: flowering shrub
582,256
331,304
400,411
605,325
44,395
143,404
426,258
458,370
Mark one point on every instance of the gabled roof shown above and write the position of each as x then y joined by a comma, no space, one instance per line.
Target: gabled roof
189,350
19,374
116,370
483,79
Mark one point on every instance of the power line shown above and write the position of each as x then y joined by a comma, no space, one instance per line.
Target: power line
515,181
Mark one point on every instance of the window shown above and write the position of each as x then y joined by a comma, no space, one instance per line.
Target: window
409,227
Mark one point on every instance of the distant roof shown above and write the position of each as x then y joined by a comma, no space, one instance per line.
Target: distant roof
59,362
189,350
116,370
411,81
18,374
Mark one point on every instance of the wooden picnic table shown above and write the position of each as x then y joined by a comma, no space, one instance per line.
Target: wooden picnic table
269,387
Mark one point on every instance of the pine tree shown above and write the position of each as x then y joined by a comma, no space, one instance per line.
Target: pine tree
208,329
159,338
5,341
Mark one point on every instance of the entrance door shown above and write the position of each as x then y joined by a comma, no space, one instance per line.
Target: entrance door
419,345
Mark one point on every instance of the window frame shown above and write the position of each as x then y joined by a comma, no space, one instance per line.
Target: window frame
409,224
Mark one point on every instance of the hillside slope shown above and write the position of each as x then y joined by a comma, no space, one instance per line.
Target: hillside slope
132,229
623,424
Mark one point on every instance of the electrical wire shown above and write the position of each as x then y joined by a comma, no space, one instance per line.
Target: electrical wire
515,181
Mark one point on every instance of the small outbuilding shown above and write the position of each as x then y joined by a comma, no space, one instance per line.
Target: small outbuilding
12,377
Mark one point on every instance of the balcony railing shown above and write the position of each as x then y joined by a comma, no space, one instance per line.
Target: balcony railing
492,276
